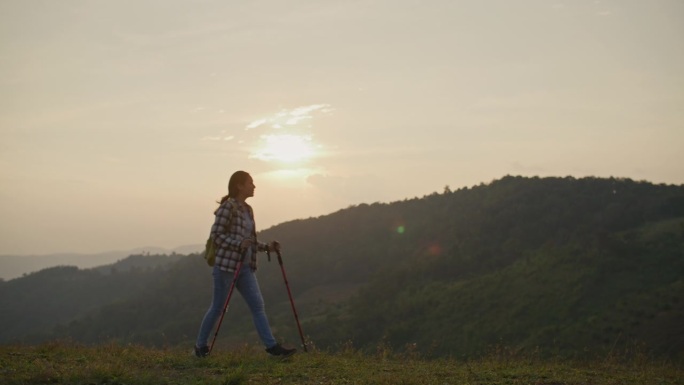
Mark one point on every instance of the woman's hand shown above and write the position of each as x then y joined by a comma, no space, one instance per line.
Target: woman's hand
246,243
274,246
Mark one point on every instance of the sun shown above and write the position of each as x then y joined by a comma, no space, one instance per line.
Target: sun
285,148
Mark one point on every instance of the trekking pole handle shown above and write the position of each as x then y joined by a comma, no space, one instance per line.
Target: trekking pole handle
276,245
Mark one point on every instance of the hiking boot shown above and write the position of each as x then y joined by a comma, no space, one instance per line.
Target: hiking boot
281,351
202,352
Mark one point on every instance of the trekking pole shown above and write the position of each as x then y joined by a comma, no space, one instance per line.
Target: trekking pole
230,293
289,293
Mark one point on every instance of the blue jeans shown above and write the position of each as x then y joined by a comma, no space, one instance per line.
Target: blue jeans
248,287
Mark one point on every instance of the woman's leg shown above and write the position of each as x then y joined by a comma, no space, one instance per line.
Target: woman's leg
249,288
222,280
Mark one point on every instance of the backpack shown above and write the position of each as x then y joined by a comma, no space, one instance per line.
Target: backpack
210,247
210,251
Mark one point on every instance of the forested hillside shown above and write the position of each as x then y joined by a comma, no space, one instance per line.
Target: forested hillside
562,265
37,302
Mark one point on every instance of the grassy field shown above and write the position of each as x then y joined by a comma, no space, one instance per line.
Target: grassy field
64,363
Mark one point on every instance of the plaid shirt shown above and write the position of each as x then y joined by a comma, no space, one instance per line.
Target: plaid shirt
228,240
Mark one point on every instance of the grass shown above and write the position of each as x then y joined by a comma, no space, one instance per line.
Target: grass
66,363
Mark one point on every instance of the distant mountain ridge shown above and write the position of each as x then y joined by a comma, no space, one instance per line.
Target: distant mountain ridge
14,266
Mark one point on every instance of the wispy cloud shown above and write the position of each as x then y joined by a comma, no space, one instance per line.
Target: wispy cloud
256,124
291,117
218,138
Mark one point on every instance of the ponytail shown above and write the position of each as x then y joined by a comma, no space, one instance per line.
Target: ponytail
225,198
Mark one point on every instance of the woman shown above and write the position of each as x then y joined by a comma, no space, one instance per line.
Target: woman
234,231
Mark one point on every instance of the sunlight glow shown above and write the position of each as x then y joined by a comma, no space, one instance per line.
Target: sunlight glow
285,148
285,135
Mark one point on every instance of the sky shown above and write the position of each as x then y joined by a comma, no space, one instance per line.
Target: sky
121,121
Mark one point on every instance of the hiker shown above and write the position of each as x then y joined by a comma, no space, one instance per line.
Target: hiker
234,231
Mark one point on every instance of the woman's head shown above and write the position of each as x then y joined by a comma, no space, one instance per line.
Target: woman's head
239,180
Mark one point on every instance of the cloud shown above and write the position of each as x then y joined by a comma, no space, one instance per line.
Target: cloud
256,123
291,117
300,111
218,138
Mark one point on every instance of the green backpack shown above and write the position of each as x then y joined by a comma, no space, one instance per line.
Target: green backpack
210,247
210,251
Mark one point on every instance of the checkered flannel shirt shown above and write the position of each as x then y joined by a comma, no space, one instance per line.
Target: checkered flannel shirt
228,240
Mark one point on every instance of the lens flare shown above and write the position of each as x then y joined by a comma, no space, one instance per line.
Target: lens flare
434,249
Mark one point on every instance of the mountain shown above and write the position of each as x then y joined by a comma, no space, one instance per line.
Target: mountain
14,266
577,267
58,295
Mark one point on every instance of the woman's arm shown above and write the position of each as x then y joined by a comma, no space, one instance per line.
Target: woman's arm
221,230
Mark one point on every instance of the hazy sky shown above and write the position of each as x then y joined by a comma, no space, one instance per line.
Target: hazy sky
121,121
